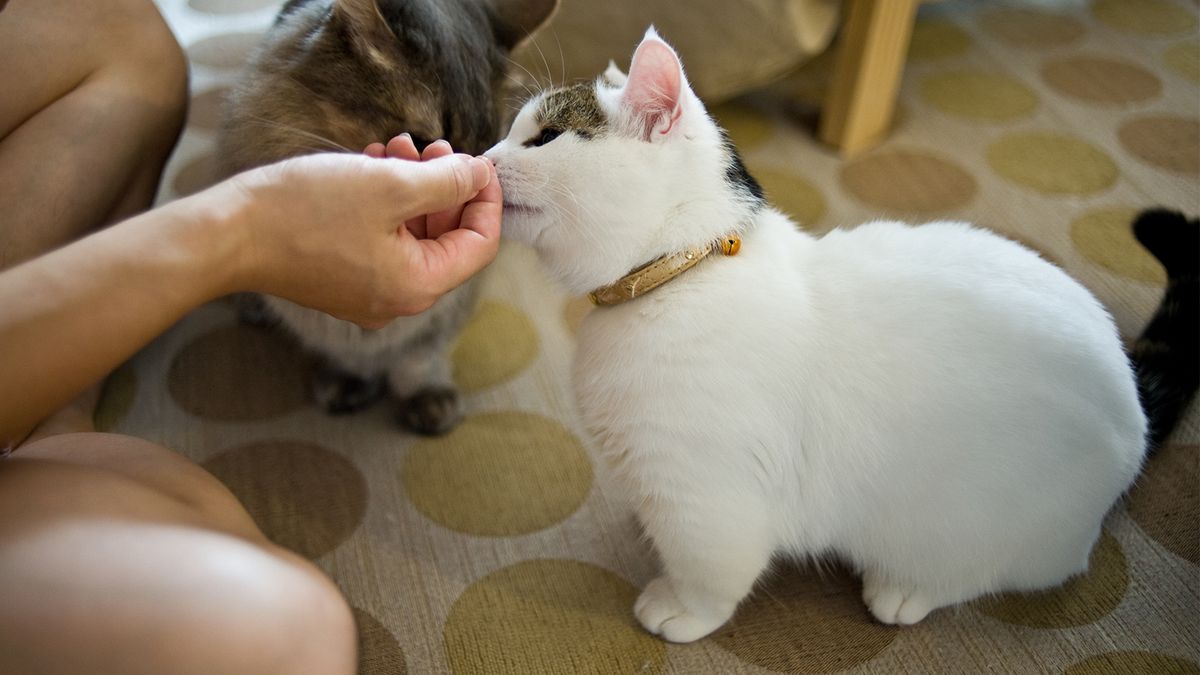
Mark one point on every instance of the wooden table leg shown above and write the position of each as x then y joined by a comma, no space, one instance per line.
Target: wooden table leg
866,76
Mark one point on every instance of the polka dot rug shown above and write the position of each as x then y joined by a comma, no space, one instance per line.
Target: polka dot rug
504,547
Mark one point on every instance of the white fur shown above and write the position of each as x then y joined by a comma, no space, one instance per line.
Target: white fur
936,405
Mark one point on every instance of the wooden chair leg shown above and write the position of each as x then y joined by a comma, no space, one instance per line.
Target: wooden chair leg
866,76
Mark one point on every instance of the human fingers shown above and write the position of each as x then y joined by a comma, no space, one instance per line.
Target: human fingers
402,147
444,182
438,148
375,150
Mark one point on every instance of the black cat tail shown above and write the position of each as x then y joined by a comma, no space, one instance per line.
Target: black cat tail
1166,356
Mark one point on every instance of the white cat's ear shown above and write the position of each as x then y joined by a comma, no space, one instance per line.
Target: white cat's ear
654,89
614,75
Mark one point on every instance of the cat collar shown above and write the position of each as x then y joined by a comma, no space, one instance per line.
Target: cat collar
658,272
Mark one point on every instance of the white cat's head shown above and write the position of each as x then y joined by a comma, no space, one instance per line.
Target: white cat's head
605,176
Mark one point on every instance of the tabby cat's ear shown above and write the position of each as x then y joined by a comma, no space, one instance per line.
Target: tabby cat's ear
515,21
654,90
363,18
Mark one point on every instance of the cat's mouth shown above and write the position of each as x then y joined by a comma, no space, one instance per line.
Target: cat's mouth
509,207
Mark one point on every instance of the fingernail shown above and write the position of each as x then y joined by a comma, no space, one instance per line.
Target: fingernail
407,135
480,175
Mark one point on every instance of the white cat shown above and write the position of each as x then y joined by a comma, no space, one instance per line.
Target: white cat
936,405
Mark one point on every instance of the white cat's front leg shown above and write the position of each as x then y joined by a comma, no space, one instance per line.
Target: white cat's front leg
712,557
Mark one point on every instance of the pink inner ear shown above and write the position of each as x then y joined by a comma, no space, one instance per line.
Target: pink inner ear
654,86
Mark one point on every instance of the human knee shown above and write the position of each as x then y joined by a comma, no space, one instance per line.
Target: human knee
280,615
146,56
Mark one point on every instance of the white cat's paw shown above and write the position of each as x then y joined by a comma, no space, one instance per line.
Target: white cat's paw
894,605
661,613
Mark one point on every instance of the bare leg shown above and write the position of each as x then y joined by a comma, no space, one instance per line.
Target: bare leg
94,98
117,555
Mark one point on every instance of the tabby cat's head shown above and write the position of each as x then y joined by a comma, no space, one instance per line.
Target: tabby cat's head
350,72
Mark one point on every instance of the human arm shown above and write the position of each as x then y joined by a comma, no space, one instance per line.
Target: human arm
325,231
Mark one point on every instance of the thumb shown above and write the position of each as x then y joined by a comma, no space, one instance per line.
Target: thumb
438,184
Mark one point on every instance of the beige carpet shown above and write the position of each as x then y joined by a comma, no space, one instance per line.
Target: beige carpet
505,548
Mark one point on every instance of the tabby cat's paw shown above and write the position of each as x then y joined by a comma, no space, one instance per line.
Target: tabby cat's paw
339,393
431,412
661,613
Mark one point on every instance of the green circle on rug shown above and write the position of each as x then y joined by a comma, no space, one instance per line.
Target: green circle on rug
746,126
496,345
499,474
305,497
549,616
1052,163
1131,663
1032,28
379,652
116,398
937,39
1105,237
1145,17
1184,60
977,95
1165,501
909,182
804,622
1081,600
206,107
230,6
793,195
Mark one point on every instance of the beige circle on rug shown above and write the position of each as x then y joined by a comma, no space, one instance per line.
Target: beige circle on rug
230,6
196,175
908,181
206,108
1031,28
379,652
228,50
499,474
1165,141
1165,501
804,622
306,498
1105,237
116,398
937,39
1145,17
791,194
1082,600
574,312
1052,163
1101,80
1184,60
495,346
236,374
1131,662
978,95
549,616
747,127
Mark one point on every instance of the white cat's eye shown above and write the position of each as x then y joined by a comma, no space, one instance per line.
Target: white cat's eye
543,138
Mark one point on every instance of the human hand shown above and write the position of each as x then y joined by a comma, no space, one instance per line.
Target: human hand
365,239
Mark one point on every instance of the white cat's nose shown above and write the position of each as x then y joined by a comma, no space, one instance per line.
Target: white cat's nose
493,153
